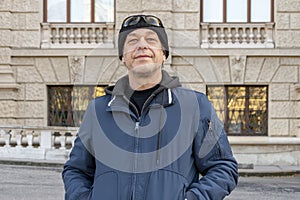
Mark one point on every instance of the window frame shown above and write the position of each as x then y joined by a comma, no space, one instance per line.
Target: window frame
68,12
69,118
226,111
248,12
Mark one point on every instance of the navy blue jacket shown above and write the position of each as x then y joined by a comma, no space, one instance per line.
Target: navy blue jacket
176,149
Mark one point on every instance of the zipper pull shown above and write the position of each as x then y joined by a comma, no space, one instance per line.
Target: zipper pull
137,124
210,126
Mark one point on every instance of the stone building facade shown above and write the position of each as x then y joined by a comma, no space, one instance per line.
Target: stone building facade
35,54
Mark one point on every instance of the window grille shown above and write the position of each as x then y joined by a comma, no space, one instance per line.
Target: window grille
243,109
67,104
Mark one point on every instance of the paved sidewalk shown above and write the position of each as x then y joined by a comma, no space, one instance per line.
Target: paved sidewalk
256,170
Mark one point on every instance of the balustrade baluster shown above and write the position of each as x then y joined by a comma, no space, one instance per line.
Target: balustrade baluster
19,139
7,138
29,137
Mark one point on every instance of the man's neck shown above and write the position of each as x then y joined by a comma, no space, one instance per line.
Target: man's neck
143,83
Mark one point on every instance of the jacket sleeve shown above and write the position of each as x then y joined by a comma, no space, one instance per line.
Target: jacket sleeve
213,158
78,172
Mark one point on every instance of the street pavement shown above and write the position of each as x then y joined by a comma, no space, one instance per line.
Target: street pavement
21,182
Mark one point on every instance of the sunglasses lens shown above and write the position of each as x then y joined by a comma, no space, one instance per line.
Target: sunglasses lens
152,20
131,21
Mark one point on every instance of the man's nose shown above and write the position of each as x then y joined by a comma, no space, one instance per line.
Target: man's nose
142,43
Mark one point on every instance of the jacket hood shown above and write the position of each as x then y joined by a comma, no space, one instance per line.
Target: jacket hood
122,84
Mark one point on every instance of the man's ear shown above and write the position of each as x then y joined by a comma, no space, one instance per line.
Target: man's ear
123,60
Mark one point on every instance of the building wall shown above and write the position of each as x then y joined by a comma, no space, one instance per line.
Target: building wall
26,69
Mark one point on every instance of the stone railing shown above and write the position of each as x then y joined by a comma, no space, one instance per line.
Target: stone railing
77,35
237,35
36,143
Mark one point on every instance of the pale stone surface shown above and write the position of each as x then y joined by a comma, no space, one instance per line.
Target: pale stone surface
25,6
221,69
35,122
285,109
119,72
278,127
28,74
290,61
22,61
5,20
279,91
5,55
25,21
35,92
288,5
110,71
188,74
295,127
195,86
7,108
166,5
61,69
187,5
5,40
31,109
178,60
178,20
286,74
204,66
285,39
5,5
283,20
185,38
253,69
44,66
270,66
126,6
295,21
278,158
26,39
294,92
192,21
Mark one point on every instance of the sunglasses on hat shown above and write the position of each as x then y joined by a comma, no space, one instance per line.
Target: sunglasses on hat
135,19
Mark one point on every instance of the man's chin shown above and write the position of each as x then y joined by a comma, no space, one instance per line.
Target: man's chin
144,70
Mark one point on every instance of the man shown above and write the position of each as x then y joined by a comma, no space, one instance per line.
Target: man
149,138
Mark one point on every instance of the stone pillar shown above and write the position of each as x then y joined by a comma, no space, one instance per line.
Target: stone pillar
8,86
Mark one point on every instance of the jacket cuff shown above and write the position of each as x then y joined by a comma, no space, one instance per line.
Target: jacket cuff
190,196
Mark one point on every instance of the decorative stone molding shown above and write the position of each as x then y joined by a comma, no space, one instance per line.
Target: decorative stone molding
237,65
77,35
76,64
226,35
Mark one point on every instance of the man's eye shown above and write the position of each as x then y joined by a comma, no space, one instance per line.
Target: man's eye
151,39
132,40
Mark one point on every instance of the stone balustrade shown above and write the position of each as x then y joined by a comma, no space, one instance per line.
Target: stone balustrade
36,142
77,35
237,35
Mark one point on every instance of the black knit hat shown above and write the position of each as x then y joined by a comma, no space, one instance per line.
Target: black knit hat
160,31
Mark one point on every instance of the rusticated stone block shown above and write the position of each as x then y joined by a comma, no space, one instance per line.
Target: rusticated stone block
26,39
192,21
5,5
157,5
295,20
35,92
7,108
188,74
187,5
285,39
5,20
28,74
295,127
44,66
106,71
25,21
5,38
185,38
295,93
22,61
204,67
288,5
178,20
31,109
177,60
279,91
5,55
278,127
125,6
253,68
286,74
221,68
25,6
270,65
285,109
290,61
61,69
283,20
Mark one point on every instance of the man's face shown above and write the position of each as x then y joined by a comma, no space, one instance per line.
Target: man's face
143,53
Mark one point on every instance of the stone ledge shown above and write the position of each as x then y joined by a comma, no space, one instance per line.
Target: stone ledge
264,140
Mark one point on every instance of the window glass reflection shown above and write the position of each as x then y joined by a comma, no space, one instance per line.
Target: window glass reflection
236,10
80,10
213,10
104,10
260,11
56,10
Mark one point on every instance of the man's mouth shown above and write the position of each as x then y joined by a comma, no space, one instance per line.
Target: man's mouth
142,56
